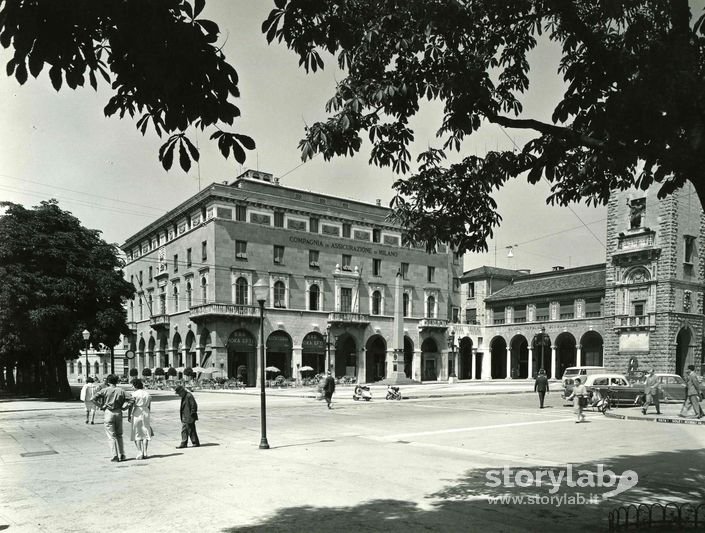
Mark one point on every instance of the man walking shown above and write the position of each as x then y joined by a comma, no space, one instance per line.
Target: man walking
189,415
329,388
692,393
541,386
651,390
112,400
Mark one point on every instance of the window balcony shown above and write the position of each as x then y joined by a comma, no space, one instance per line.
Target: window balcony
348,318
215,310
635,322
159,321
433,323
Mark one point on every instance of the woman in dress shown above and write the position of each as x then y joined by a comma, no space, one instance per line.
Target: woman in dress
580,399
139,414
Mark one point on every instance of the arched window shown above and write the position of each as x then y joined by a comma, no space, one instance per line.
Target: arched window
279,294
241,291
96,368
376,303
140,306
72,368
204,290
150,306
176,299
80,368
189,295
105,367
406,304
314,295
132,311
431,307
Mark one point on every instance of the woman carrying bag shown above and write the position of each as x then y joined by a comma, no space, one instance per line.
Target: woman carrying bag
580,399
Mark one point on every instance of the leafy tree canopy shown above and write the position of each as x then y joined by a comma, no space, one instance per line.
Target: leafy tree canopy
632,114
162,61
58,278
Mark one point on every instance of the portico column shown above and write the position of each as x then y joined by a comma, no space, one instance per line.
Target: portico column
296,363
416,366
184,355
553,362
531,363
474,363
578,356
509,363
486,371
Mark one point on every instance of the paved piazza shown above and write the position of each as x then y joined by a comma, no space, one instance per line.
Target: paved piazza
421,464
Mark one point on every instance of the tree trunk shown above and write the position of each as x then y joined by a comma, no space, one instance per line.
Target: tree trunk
3,381
62,380
10,377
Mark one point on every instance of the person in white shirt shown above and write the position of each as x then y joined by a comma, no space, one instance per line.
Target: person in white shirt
87,393
580,399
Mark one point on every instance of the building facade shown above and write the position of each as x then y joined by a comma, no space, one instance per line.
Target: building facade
330,265
642,307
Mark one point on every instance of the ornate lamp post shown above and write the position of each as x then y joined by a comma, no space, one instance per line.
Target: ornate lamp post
86,335
261,289
542,340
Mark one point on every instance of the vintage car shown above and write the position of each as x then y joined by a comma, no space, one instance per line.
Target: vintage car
624,393
578,371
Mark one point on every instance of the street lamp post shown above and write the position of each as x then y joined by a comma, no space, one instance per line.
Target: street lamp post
86,335
261,289
542,334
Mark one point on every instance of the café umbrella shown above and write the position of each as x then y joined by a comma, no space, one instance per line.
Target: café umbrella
305,368
272,369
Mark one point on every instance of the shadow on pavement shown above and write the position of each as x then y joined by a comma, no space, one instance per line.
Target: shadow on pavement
664,477
163,456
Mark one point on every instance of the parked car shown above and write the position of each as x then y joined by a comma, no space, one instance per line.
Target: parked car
624,393
617,386
573,372
672,387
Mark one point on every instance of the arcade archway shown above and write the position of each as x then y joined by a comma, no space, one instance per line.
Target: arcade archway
465,358
429,360
498,348
408,356
591,349
346,356
520,357
279,347
684,351
566,354
375,358
313,352
242,357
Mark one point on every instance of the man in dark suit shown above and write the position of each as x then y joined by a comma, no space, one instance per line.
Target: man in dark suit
541,386
189,415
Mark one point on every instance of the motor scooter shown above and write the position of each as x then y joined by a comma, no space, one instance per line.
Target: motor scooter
362,392
393,393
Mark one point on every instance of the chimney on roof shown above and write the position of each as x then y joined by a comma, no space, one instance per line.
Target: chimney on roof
257,175
524,270
378,202
557,268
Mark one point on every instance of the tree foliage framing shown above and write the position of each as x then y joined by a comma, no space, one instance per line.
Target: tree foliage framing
633,113
162,62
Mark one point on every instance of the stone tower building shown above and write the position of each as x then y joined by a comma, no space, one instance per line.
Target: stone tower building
655,264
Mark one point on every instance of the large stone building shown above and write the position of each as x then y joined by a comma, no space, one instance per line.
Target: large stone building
643,305
330,265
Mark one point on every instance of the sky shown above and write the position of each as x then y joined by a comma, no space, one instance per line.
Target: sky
60,145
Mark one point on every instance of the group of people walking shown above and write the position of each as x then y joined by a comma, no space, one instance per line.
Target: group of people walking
113,400
652,388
